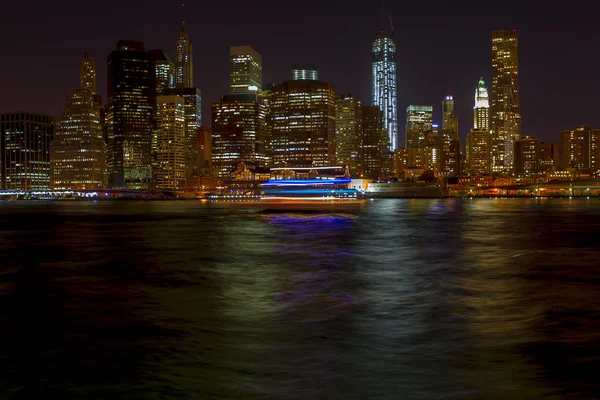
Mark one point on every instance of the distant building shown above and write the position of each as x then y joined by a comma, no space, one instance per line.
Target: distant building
130,115
245,70
505,110
548,157
348,126
575,148
481,110
236,134
170,143
449,117
184,60
374,149
419,121
383,86
478,152
527,156
25,150
305,73
303,118
204,141
165,72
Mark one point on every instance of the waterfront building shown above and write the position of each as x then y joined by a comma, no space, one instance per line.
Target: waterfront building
170,143
575,148
449,145
478,152
303,123
25,150
449,117
348,126
245,70
165,72
383,84
481,110
548,157
193,120
78,152
130,115
527,156
204,143
374,148
236,133
505,109
419,121
184,60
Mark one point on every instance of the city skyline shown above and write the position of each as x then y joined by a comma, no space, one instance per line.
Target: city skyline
423,77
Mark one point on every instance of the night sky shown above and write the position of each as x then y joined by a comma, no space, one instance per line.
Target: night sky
443,48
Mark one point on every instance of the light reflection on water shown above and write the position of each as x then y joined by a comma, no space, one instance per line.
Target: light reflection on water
469,299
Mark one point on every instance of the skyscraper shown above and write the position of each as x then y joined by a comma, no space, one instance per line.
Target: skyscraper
25,150
131,115
384,84
245,70
575,148
303,116
87,74
236,133
184,63
506,113
374,148
478,152
419,121
165,71
527,156
449,116
170,143
348,127
78,152
481,110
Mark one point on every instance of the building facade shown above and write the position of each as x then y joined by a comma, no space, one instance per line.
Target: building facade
481,110
419,121
130,115
165,72
245,70
170,144
204,142
303,123
236,134
575,148
548,157
184,60
383,84
478,152
449,116
348,137
374,149
527,156
505,107
25,140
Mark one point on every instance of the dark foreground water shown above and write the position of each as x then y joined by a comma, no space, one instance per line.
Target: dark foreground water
401,299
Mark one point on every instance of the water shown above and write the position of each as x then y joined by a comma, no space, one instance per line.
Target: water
410,299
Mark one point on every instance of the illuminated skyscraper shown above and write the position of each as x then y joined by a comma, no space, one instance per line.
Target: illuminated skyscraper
374,147
165,71
384,84
184,62
308,73
449,116
131,115
478,152
575,148
25,150
419,121
527,156
170,143
506,112
348,127
87,74
303,117
481,110
245,70
236,133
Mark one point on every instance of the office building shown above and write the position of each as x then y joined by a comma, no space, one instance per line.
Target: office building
25,150
383,84
449,147
130,115
575,148
236,134
245,70
527,156
165,72
303,118
548,157
481,110
505,110
170,143
449,117
348,126
374,153
478,152
184,60
419,121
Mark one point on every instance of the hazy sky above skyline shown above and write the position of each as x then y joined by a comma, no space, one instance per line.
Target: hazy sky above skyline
444,47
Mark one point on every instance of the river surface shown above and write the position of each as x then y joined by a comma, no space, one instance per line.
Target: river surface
394,299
